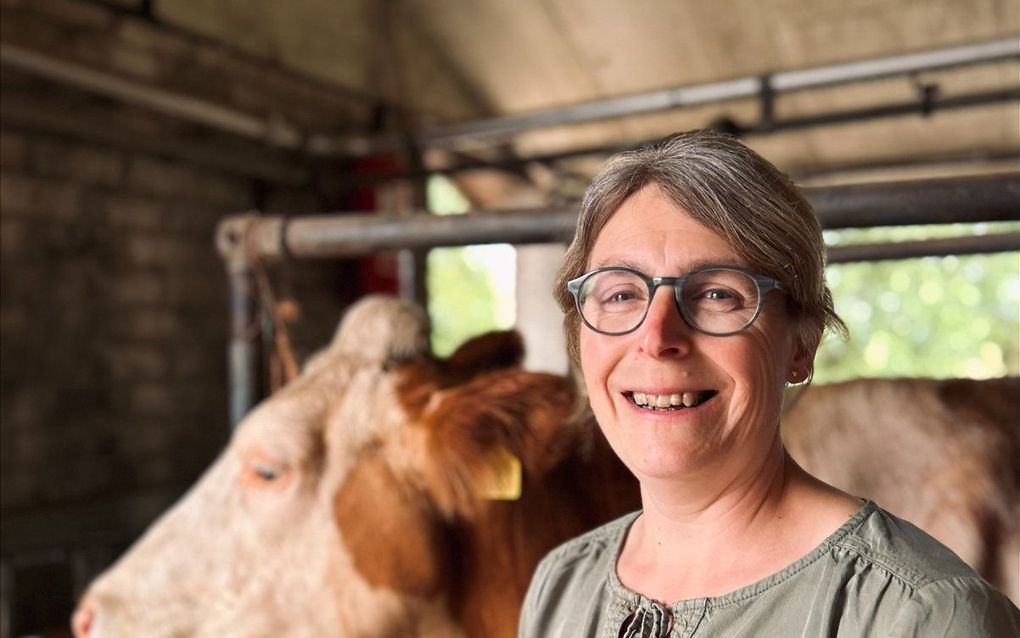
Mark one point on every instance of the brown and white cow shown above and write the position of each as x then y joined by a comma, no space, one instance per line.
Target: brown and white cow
353,502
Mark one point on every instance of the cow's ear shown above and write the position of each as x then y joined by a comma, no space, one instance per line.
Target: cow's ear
490,351
480,432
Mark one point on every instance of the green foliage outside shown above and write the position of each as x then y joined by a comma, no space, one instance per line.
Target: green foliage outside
471,289
932,317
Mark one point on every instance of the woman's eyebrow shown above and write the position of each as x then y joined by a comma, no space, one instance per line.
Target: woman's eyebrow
700,264
616,262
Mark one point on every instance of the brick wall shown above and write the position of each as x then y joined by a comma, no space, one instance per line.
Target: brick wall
113,300
113,333
112,319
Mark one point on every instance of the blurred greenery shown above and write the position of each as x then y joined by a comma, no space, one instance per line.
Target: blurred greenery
471,289
932,317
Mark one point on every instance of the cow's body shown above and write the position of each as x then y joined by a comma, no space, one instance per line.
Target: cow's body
943,454
350,503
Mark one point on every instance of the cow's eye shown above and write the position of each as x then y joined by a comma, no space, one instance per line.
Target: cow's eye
265,472
262,471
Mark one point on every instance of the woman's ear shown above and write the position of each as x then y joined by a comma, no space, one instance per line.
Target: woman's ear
806,338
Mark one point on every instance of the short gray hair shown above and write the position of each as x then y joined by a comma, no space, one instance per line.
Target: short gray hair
733,191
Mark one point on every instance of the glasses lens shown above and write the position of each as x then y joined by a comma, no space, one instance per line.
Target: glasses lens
613,301
720,301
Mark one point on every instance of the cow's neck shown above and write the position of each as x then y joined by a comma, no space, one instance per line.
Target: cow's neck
502,546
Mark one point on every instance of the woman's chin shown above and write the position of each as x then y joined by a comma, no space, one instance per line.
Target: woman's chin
673,464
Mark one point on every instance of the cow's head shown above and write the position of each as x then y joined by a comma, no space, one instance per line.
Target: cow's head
347,504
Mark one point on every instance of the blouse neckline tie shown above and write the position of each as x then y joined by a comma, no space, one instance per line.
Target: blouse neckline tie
647,621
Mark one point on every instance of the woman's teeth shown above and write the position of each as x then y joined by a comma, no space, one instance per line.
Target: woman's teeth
663,401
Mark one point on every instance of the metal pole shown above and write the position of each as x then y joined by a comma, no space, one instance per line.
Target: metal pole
276,133
242,356
762,127
970,245
933,201
361,233
680,97
234,240
281,134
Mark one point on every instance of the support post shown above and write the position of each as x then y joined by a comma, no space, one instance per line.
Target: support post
242,354
239,240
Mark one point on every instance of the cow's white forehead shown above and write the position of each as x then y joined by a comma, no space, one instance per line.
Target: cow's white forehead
338,384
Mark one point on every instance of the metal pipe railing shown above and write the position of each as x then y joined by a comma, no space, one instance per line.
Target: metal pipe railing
762,86
273,132
970,245
279,133
242,238
972,199
902,203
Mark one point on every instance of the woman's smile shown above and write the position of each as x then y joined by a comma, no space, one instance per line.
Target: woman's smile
669,401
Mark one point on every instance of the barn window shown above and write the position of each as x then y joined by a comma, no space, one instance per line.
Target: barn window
931,317
471,289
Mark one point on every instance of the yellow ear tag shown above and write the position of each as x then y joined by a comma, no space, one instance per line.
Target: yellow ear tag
502,482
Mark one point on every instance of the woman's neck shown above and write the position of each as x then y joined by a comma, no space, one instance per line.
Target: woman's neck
707,538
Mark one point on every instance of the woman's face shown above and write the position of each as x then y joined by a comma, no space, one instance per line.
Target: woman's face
738,379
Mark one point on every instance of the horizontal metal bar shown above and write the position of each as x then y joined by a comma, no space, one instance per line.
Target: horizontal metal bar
983,198
885,110
1006,159
934,201
897,65
598,110
276,133
968,245
918,106
685,96
347,235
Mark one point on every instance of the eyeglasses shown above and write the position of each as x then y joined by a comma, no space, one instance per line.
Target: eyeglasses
718,300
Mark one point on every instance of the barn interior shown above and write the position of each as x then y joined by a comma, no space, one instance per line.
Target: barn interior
147,145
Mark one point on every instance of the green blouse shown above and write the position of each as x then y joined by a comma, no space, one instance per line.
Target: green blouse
877,575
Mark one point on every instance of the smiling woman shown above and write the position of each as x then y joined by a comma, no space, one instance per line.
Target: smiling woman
693,294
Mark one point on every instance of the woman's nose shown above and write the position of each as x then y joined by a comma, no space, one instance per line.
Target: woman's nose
664,333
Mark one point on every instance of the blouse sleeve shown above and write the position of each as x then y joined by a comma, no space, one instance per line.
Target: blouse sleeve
529,624
964,607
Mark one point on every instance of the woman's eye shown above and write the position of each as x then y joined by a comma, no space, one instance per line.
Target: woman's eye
718,300
620,295
718,295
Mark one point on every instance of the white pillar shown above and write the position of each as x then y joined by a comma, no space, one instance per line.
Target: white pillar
539,319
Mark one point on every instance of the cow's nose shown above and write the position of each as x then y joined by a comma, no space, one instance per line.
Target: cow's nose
83,619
